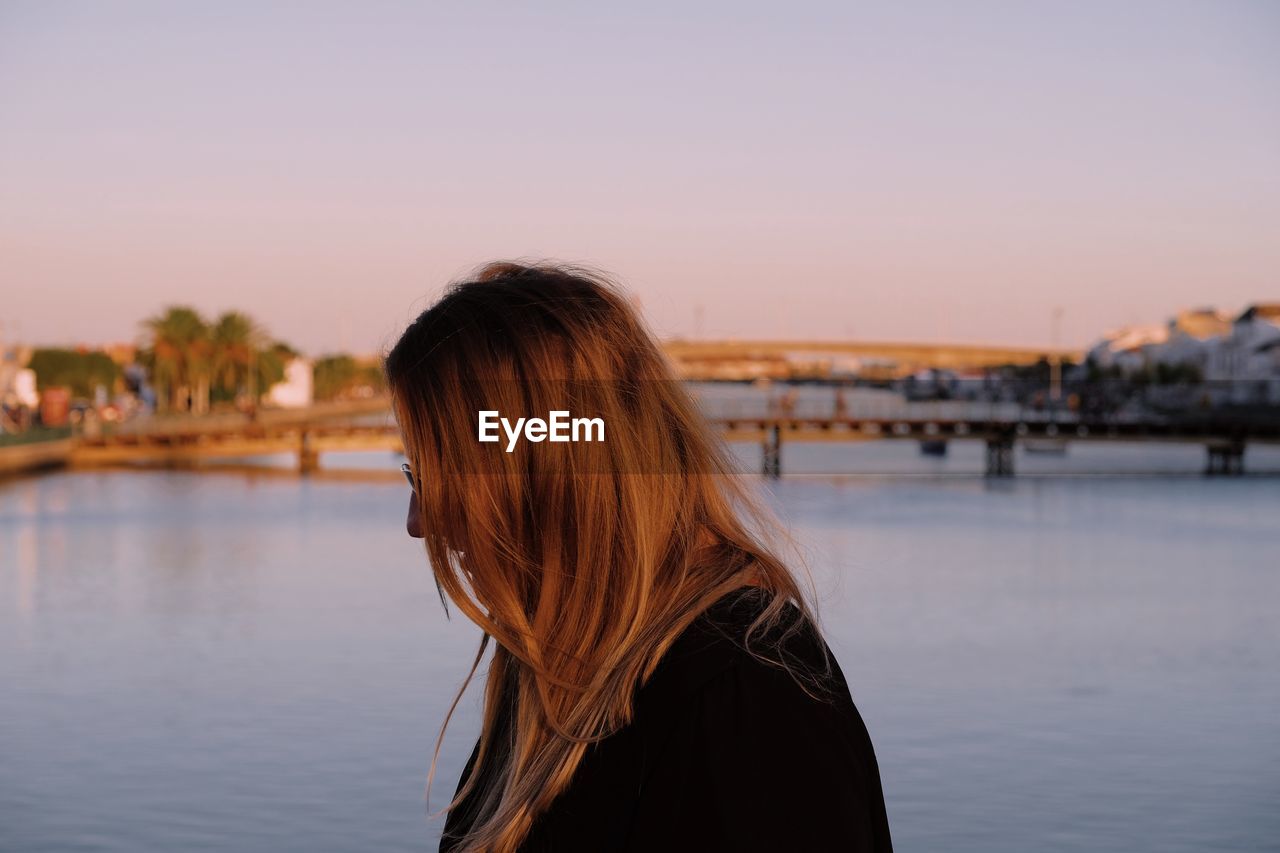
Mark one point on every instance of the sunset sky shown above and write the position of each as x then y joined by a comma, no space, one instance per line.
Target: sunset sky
895,171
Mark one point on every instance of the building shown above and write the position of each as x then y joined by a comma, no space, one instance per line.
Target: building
297,390
1246,361
1127,349
1218,347
1192,336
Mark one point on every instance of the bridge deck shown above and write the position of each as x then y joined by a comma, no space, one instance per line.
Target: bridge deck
190,442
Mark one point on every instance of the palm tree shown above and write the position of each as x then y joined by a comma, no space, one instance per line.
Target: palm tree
177,351
236,343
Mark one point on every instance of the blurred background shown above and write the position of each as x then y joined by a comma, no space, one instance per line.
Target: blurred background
984,297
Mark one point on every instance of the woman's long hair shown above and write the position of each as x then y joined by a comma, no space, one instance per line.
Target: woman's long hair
583,561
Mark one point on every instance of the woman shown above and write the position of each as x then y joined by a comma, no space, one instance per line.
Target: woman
658,681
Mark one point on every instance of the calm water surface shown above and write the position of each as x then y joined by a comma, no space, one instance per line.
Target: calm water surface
256,662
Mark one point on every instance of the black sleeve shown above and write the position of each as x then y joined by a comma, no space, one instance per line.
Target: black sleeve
755,764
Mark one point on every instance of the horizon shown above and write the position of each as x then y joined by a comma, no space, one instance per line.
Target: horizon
138,341
921,173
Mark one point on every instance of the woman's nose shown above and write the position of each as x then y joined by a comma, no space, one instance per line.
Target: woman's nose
413,524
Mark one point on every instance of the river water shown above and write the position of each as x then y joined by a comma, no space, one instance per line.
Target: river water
251,661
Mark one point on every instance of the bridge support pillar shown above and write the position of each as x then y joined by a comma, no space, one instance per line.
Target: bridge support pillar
308,456
772,448
999,457
1226,458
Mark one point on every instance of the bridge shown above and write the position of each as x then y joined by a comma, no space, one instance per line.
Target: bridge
365,426
186,441
699,359
1224,442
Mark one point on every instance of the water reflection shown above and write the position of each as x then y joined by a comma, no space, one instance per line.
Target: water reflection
246,660
27,568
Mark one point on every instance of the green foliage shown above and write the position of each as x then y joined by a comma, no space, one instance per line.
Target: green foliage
235,341
340,375
270,364
34,435
333,374
82,372
178,355
194,362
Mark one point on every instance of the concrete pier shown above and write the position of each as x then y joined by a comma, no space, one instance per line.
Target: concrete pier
999,456
1225,458
35,456
772,447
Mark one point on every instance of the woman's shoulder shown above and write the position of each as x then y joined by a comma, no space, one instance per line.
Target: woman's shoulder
787,656
727,716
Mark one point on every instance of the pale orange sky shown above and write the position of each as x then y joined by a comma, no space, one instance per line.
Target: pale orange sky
920,171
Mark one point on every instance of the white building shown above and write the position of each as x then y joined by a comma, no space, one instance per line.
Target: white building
1247,360
23,387
1192,337
1219,347
297,389
1127,347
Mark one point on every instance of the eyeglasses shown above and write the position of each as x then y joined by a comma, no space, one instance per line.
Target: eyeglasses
408,475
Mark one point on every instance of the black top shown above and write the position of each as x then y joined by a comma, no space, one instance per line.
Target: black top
725,752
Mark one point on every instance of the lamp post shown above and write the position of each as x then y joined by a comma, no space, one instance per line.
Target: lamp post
1055,359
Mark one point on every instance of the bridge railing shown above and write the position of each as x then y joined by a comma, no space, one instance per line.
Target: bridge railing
1002,401
1237,404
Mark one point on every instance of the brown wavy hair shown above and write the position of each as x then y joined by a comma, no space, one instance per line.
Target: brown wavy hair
583,562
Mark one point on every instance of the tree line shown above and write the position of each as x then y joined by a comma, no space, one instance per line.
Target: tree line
339,375
193,362
81,372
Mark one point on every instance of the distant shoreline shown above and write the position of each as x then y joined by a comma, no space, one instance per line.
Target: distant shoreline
33,456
